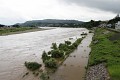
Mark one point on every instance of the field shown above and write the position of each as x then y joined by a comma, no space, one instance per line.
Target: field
106,49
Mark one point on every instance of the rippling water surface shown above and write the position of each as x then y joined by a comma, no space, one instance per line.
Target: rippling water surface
18,48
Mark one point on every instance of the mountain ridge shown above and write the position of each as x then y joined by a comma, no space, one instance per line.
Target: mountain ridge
48,22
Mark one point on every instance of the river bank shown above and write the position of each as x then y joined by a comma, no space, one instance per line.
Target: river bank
10,31
104,57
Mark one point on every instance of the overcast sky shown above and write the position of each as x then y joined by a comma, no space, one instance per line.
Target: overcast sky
17,11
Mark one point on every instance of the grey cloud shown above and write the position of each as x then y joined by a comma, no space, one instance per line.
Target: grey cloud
107,5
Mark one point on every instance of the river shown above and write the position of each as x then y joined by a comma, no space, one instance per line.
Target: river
74,66
17,48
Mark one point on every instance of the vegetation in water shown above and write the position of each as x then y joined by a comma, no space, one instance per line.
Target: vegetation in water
53,58
44,76
51,63
32,65
54,46
58,53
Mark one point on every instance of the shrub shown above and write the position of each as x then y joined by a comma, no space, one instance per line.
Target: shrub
44,56
57,54
67,42
32,65
49,53
75,45
54,46
63,47
51,63
68,52
71,47
44,76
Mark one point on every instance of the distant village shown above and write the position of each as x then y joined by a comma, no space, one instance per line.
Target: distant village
113,23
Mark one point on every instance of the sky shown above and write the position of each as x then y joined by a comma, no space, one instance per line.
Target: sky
19,11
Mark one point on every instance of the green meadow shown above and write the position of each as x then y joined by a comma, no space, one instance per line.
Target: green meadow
106,49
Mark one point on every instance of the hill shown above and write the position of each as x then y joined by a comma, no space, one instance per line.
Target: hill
51,22
1,25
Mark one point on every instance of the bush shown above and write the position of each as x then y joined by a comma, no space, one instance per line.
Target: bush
75,45
67,42
54,46
72,47
44,56
44,76
49,53
51,63
32,65
68,52
57,54
63,47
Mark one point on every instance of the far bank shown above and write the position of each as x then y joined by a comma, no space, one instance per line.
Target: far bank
10,31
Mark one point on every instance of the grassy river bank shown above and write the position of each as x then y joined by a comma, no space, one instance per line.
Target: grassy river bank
106,49
9,31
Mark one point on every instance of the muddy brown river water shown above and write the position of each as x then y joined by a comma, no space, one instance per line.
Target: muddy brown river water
73,67
17,48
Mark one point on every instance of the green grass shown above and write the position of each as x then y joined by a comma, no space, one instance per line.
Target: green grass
106,51
10,30
114,72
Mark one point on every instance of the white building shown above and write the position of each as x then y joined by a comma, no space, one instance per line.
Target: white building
102,25
109,25
117,25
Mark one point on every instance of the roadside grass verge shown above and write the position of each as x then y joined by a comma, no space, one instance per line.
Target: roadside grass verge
106,51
